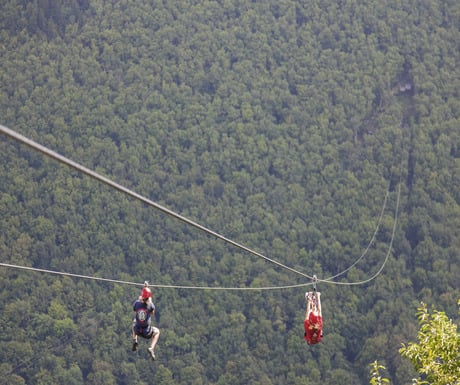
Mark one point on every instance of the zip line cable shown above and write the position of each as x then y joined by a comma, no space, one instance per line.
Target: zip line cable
22,139
395,221
216,288
8,265
387,255
368,246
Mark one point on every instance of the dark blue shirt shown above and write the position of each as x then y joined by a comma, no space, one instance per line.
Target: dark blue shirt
143,313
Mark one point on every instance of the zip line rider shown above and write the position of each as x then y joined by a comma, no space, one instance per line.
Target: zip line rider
313,322
142,323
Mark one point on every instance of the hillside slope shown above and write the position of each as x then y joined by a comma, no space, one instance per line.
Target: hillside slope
282,126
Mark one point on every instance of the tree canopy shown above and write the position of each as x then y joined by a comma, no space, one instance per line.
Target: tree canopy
286,126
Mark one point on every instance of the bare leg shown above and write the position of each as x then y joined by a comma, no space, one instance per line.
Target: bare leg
319,310
318,298
154,340
133,333
134,348
308,310
153,343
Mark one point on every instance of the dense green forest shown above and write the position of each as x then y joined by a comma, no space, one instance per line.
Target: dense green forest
286,126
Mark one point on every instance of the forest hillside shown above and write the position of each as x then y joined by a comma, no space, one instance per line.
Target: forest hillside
324,135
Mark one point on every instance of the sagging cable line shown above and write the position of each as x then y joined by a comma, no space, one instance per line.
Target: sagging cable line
390,246
315,280
67,274
382,212
52,154
8,265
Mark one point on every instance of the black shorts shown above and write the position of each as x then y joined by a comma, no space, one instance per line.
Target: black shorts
146,333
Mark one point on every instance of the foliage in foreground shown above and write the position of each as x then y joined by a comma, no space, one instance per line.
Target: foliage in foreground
436,357
376,377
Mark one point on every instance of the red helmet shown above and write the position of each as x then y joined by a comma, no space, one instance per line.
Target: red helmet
146,293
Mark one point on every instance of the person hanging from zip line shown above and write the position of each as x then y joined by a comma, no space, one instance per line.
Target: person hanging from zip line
142,323
313,322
